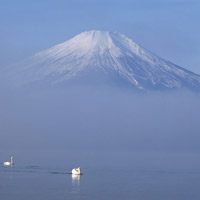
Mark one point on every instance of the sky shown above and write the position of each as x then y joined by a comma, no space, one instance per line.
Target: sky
168,28
32,122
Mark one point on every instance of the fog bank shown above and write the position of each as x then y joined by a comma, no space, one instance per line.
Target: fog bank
92,120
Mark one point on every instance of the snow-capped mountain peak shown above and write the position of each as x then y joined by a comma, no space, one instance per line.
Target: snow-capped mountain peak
108,54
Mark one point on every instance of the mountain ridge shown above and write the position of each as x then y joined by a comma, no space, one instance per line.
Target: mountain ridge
108,54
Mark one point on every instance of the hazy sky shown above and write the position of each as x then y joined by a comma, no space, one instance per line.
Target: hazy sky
57,124
50,122
169,28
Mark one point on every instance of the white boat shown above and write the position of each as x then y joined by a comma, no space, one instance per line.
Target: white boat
76,171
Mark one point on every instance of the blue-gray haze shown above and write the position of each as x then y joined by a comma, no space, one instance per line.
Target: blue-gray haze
130,145
59,124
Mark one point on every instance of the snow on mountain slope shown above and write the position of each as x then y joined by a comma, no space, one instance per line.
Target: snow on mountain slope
107,54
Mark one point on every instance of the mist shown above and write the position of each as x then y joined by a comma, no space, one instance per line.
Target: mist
47,125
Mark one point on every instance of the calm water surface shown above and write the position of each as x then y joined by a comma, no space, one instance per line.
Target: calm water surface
126,181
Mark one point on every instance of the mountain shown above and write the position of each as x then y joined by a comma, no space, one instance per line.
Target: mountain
107,57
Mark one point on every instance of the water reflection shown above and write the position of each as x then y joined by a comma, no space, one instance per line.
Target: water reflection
76,177
11,172
76,183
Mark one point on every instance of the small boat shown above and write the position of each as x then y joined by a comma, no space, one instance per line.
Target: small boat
76,171
9,163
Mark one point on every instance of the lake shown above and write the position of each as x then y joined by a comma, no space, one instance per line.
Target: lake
139,176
